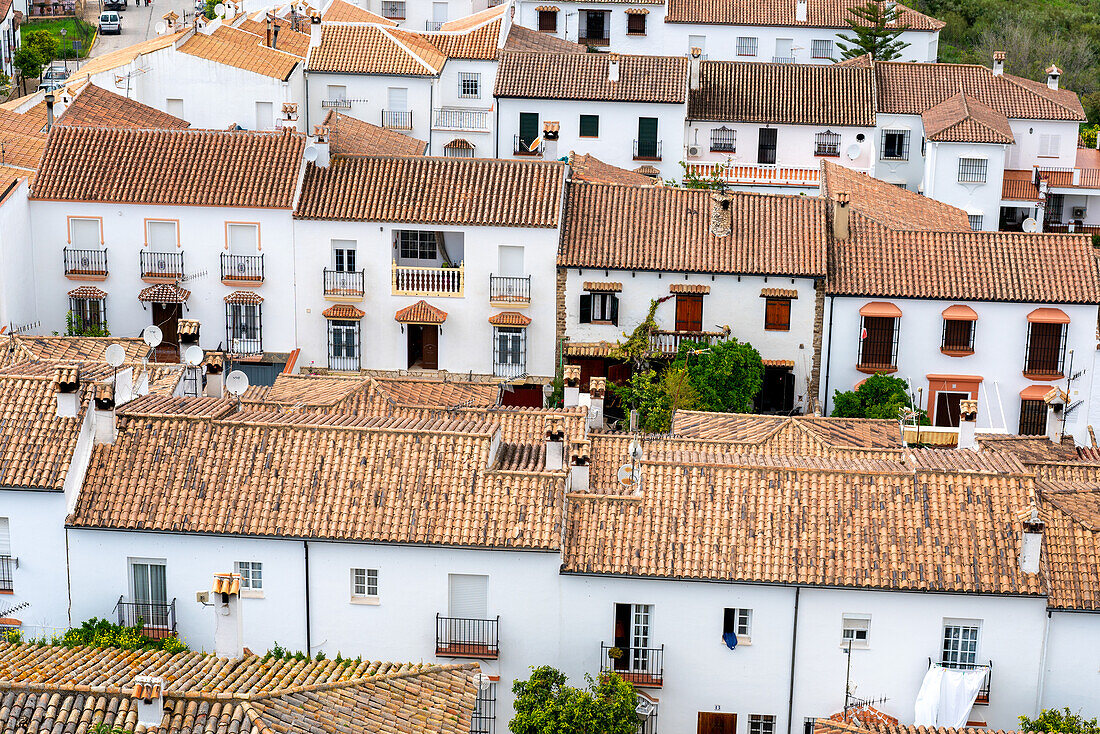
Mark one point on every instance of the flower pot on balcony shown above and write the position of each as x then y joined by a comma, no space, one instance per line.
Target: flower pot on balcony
615,653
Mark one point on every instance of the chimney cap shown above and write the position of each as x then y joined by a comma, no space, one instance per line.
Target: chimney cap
1034,524
66,378
696,52
597,387
1053,70
999,55
147,687
226,583
104,396
555,427
843,198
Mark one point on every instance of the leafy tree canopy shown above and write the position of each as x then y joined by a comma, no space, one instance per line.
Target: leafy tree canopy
1060,722
726,376
43,43
875,31
544,704
879,396
27,60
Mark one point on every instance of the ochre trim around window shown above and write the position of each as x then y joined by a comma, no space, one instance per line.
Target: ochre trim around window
880,308
959,312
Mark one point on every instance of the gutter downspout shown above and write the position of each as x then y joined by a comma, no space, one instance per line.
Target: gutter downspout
496,131
431,111
305,556
794,645
68,581
305,75
828,358
1042,665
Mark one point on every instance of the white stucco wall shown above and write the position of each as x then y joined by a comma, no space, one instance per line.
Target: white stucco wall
36,521
795,144
419,12
1072,674
369,95
942,179
18,305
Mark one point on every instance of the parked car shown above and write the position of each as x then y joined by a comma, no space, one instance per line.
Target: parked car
110,22
114,4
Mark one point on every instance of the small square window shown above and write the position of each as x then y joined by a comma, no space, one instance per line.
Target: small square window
635,24
747,45
973,170
252,574
548,21
895,145
855,631
590,126
364,583
976,221
821,49
737,621
469,85
777,314
761,724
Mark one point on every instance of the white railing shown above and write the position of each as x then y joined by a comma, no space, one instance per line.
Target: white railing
340,104
756,174
447,118
417,281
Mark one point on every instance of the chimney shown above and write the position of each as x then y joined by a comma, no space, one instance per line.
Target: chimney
188,332
215,379
267,29
597,388
1053,74
721,214
289,120
49,111
66,390
841,213
998,63
555,447
579,459
551,130
228,627
801,12
968,419
1056,401
695,70
149,693
320,147
104,401
613,67
1032,547
315,30
572,385
275,36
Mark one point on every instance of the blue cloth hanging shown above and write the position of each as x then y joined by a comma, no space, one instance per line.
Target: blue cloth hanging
730,638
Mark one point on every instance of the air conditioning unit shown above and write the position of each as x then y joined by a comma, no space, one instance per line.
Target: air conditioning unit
694,151
1078,212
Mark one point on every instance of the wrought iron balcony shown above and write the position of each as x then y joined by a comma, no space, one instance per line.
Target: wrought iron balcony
7,572
416,281
647,150
509,289
667,343
642,666
397,119
242,268
456,637
86,262
344,283
336,104
157,619
983,692
783,59
433,25
455,118
161,264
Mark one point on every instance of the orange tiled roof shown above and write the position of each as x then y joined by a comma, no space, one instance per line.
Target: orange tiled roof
176,167
242,50
351,136
778,293
479,43
289,40
420,312
1019,186
652,79
530,40
369,49
603,286
963,119
864,715
22,138
696,288
828,726
591,169
126,55
87,292
509,318
428,393
343,311
1071,509
835,433
340,11
890,205
819,13
69,349
98,107
476,20
244,297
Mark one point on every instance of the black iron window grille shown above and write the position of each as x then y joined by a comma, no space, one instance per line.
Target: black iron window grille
243,328
723,139
827,144
343,345
895,145
973,170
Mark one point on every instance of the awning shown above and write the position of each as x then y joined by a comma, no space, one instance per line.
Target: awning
959,312
87,293
637,11
1035,392
880,308
1048,316
509,318
786,363
421,312
459,144
601,287
244,297
164,293
344,312
548,8
778,293
697,288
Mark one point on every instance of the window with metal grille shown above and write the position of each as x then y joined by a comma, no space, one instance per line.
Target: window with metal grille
878,347
808,724
960,645
590,126
827,144
469,85
243,328
1046,348
958,335
454,150
364,582
394,9
723,139
548,21
635,24
343,345
747,45
976,221
761,724
1055,203
821,49
509,351
485,711
89,314
252,574
973,170
417,245
1033,417
895,145
777,314
737,621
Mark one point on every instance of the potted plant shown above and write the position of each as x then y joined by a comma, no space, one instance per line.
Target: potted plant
615,653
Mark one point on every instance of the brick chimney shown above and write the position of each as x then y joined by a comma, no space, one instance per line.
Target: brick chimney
841,215
148,691
968,420
998,63
225,595
1031,549
572,385
1053,75
613,67
721,214
579,460
66,390
105,430
555,442
695,70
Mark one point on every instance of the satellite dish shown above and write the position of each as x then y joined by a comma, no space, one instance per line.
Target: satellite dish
115,355
152,335
635,450
219,10
853,151
629,475
483,681
310,153
192,356
236,382
161,27
1030,225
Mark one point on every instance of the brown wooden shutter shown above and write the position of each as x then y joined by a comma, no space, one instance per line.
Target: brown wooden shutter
689,313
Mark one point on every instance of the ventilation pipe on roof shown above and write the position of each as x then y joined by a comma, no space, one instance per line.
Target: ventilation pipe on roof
841,212
149,693
315,30
998,63
968,421
49,111
695,70
597,389
555,442
66,390
572,385
1053,74
801,11
579,459
1032,547
225,595
613,67
105,430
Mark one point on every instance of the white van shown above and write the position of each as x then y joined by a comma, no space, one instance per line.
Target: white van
110,22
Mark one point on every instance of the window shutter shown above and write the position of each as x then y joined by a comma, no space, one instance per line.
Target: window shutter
614,309
5,537
586,308
469,596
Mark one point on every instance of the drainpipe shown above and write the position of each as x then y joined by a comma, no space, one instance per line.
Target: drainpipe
305,83
1042,666
305,555
828,359
431,113
794,644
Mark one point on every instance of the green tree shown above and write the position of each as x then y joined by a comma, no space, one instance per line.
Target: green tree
657,397
43,43
726,376
544,704
693,180
1060,722
875,30
29,63
879,396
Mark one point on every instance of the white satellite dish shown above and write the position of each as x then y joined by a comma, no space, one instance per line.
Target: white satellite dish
115,355
219,10
236,382
629,475
1030,225
635,450
853,151
152,335
161,27
192,356
310,153
483,681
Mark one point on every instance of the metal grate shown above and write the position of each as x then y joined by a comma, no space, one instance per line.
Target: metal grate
509,351
510,289
156,619
397,119
244,328
161,264
973,170
1046,349
467,638
878,347
242,267
469,85
647,150
88,314
747,45
1033,417
7,575
827,144
821,49
976,221
895,145
343,345
723,139
958,335
485,711
85,262
642,666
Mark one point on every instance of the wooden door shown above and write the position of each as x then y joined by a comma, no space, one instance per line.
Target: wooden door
430,347
711,722
689,313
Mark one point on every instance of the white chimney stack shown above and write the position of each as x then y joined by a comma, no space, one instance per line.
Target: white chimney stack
215,379
105,430
613,67
695,71
1032,547
1053,74
1056,401
572,385
315,30
188,332
318,150
597,388
66,390
579,460
801,12
149,693
998,63
555,442
968,421
225,595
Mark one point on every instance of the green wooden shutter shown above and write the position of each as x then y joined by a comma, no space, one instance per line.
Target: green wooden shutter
528,127
647,137
590,126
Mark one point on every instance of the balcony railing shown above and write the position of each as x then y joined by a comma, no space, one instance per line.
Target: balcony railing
86,262
456,637
526,147
783,59
642,666
983,692
344,283
448,118
7,572
247,268
647,150
337,104
667,343
509,289
594,41
763,175
397,119
158,619
161,264
417,281
433,25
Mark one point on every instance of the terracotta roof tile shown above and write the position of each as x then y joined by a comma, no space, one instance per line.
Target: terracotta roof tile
289,40
368,49
36,446
341,11
509,318
778,293
426,393
603,286
22,139
802,94
820,13
476,20
164,293
244,297
697,288
833,433
480,43
1071,510
963,119
123,56
653,79
343,311
420,312
242,50
177,167
890,205
1019,186
434,191
532,41
826,726
69,349
351,136
591,169
98,107
87,292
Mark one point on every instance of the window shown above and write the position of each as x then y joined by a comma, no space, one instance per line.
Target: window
767,142
242,239
895,145
161,234
958,335
878,345
242,326
458,148
343,345
7,566
548,21
855,630
975,221
1046,347
647,146
827,144
972,170
821,49
150,594
711,722
635,24
599,308
485,711
1033,417
1050,146
689,312
265,116
1055,204
86,234
784,51
960,645
761,723
723,139
737,621
174,107
417,245
594,27
343,256
509,351
364,583
336,93
747,45
393,9
469,85
590,126
252,574
89,315
397,99
777,314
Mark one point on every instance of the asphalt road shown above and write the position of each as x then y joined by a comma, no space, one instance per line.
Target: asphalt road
138,22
